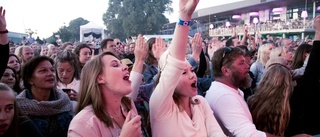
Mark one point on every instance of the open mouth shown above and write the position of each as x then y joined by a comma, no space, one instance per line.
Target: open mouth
194,85
50,80
3,126
126,77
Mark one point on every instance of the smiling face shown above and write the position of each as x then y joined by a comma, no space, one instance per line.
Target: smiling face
43,76
14,63
8,78
187,86
114,76
6,110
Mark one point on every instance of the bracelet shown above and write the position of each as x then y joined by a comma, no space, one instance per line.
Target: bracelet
4,32
184,23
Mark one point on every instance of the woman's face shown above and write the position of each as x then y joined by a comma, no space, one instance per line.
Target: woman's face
84,55
8,78
43,76
65,72
13,62
187,85
44,51
6,110
114,76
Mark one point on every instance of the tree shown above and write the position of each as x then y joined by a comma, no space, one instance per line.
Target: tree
125,18
74,28
69,33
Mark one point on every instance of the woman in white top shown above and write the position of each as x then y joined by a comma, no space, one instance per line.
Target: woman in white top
175,108
68,74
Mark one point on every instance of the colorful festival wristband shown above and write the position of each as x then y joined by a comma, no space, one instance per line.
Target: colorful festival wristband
184,23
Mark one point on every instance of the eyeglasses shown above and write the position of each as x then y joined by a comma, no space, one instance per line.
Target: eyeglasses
227,50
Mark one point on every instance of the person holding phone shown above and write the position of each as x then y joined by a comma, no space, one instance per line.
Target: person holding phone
68,74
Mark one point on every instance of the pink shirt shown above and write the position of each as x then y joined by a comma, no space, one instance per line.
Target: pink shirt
86,124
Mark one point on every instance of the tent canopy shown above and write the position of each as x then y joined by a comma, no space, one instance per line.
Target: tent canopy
92,28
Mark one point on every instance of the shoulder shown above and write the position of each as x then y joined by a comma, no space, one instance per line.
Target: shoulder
198,99
85,115
85,119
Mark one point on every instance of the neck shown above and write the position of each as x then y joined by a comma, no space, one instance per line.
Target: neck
112,104
40,94
227,82
185,103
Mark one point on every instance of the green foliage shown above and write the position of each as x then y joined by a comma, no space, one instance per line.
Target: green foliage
126,18
70,33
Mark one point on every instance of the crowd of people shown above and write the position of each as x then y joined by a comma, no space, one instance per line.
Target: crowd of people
264,27
192,87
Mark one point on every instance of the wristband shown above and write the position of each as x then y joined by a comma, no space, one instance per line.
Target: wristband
184,23
4,32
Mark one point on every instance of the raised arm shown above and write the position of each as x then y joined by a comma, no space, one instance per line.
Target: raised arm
311,73
3,30
4,42
136,76
178,47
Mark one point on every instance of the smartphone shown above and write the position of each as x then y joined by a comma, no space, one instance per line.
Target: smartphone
66,90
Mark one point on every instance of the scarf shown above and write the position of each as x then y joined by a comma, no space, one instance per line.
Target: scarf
44,108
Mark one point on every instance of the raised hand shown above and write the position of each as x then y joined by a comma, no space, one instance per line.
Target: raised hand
213,47
3,23
158,48
131,126
187,7
140,51
3,35
196,45
316,25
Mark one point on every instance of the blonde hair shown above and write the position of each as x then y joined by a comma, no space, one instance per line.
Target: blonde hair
269,105
41,52
18,51
279,60
276,52
262,56
90,92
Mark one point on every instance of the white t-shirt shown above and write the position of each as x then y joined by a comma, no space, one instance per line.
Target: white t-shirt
231,111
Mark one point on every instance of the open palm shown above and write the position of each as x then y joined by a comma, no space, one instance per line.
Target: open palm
2,19
188,6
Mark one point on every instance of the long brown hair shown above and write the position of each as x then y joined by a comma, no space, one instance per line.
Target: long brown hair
13,130
299,56
90,92
269,105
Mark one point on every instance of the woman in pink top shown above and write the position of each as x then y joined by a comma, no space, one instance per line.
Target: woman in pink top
175,108
103,109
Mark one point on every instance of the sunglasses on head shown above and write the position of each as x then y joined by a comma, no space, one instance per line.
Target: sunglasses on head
227,50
